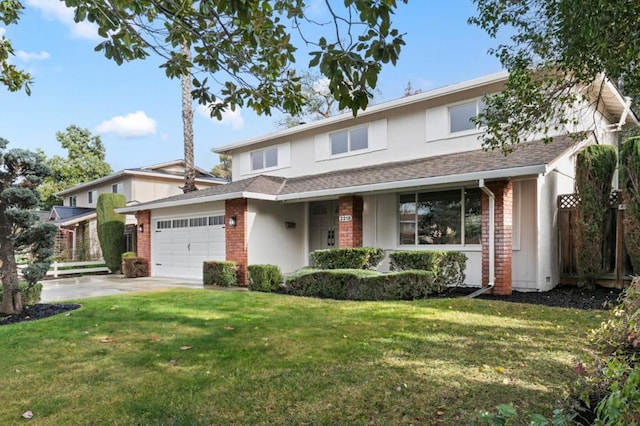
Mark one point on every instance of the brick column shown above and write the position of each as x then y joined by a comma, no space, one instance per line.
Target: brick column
143,239
350,232
503,191
236,237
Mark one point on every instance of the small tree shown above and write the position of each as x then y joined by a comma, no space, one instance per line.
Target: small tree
594,171
223,169
21,172
111,229
630,185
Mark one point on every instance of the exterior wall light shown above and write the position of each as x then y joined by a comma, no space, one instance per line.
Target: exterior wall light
141,228
233,221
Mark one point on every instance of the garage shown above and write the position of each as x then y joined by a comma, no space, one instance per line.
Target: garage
181,243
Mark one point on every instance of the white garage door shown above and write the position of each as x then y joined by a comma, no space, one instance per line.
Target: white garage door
181,244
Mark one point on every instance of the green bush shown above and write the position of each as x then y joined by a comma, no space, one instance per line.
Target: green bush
127,254
595,167
630,185
30,293
220,273
347,258
111,229
264,277
447,266
358,284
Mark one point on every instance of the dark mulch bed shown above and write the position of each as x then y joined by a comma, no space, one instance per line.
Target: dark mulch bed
38,311
561,296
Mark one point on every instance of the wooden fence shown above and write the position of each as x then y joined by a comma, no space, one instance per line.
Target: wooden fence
615,261
69,268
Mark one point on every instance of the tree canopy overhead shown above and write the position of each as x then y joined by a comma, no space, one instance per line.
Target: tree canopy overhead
555,46
243,50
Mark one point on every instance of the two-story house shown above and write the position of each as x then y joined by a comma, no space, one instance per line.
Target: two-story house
76,218
403,175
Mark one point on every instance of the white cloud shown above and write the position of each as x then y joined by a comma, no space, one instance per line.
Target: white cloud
2,31
57,10
32,56
231,118
134,125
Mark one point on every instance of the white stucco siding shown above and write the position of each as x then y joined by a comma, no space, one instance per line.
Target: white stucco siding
270,241
524,267
380,229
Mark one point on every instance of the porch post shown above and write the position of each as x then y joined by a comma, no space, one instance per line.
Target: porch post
236,236
503,225
350,221
143,239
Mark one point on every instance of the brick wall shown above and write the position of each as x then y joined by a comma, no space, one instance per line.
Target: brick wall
503,191
350,232
236,237
143,239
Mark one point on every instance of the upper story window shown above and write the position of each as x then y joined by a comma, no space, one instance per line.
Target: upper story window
264,159
73,201
460,116
442,217
92,196
349,140
117,188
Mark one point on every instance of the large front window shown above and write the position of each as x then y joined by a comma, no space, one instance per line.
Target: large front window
442,217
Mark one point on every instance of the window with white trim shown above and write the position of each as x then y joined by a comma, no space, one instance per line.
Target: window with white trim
461,116
349,140
92,196
117,188
163,224
441,217
216,220
73,201
264,159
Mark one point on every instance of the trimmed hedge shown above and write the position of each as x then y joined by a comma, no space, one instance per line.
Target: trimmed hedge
358,284
30,294
630,185
221,273
347,258
264,277
111,229
447,266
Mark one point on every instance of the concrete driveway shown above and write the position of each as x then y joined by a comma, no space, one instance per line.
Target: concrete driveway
61,289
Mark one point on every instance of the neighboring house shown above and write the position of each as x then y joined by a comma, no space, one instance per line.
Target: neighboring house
76,218
404,175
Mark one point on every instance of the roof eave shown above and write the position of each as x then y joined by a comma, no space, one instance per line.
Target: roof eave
414,183
196,200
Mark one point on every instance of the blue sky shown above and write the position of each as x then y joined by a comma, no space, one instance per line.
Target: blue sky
136,109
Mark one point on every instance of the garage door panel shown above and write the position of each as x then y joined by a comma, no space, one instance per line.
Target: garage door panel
179,252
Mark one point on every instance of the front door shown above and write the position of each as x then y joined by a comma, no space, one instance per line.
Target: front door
323,225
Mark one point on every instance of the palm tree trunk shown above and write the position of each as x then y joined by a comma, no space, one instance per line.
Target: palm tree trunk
187,121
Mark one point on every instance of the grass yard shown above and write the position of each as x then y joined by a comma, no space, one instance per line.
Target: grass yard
193,357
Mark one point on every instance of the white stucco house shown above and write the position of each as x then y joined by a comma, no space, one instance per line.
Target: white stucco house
403,175
76,217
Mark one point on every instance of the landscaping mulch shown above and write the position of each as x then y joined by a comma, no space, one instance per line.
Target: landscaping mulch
560,296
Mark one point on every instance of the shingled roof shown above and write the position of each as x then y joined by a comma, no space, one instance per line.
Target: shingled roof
527,158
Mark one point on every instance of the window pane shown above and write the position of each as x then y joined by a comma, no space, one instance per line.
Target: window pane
439,217
339,143
472,216
407,215
271,157
460,117
359,138
257,162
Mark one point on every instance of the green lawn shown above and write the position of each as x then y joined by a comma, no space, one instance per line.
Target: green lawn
253,358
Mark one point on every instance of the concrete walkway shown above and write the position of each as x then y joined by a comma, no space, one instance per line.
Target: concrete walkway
105,285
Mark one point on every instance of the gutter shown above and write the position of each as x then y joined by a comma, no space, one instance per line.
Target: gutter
492,241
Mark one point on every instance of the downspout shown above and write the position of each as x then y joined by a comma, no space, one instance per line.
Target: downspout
492,240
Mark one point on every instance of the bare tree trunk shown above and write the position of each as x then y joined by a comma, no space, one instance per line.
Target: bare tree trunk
11,297
187,121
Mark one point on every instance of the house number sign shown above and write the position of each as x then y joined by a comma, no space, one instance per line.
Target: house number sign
345,218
